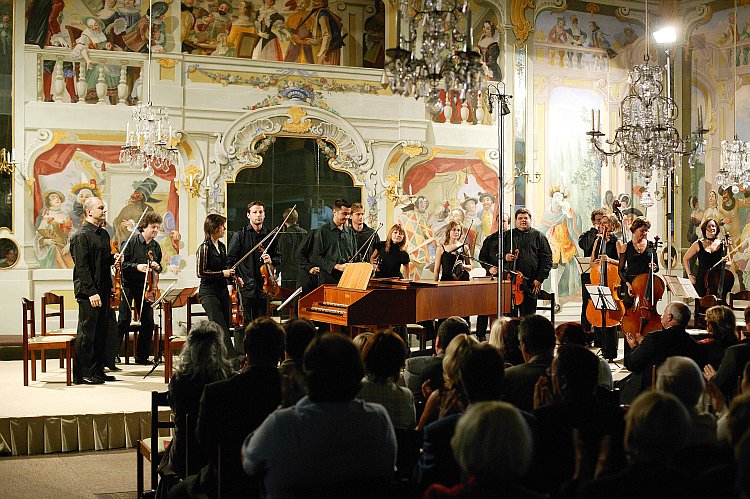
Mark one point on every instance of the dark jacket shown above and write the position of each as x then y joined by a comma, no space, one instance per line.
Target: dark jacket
488,254
518,385
587,239
361,238
731,368
249,270
656,347
331,246
93,258
535,255
136,253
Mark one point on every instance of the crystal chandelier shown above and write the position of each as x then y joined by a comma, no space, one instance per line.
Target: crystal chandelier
149,142
735,164
646,140
444,56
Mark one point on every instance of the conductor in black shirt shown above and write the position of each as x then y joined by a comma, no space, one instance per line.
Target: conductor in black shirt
92,284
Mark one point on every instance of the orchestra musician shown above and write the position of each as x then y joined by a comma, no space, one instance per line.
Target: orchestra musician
334,244
446,258
636,258
215,276
590,243
254,302
362,233
709,251
530,255
488,254
390,255
92,284
135,264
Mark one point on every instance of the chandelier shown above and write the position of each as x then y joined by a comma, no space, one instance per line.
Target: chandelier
646,140
444,60
735,164
149,142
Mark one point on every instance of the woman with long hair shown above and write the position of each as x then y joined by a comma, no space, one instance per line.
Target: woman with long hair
709,250
391,256
445,256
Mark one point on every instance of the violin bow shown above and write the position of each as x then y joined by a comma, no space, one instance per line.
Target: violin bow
273,233
132,233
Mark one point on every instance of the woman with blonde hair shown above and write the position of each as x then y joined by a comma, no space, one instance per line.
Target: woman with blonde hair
504,336
721,324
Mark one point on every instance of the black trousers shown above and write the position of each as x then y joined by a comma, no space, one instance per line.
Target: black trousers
586,298
125,317
112,346
217,304
91,340
482,323
527,306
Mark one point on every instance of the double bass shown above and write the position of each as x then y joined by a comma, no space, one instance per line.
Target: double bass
719,280
605,274
642,318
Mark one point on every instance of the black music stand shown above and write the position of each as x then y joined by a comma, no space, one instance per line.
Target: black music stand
601,297
173,298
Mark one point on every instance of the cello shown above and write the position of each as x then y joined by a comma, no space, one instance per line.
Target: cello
719,280
606,275
642,318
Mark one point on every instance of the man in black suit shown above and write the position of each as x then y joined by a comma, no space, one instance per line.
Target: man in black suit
233,408
656,347
537,337
732,364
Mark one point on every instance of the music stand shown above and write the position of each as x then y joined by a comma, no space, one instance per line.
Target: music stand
171,298
681,287
584,264
289,300
601,297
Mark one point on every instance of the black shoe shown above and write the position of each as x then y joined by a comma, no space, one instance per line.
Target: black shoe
143,362
104,377
85,380
114,369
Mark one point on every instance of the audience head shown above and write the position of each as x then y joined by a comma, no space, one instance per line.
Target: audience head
537,336
571,332
504,335
739,417
454,358
361,340
384,355
492,442
720,321
298,333
746,313
334,368
656,425
481,374
681,377
204,354
575,371
264,342
675,314
449,329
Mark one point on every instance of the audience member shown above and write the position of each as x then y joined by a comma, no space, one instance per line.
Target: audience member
493,447
573,333
721,323
657,347
203,360
384,356
361,339
656,426
504,335
536,335
480,379
722,425
573,379
298,333
231,409
329,436
742,453
730,369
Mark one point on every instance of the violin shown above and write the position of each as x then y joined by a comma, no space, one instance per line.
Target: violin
238,313
719,280
642,318
605,274
270,285
114,299
516,278
152,291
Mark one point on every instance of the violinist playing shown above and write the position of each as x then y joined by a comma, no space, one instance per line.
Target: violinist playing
709,251
531,256
254,301
135,265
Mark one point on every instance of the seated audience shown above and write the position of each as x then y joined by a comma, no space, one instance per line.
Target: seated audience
417,367
298,333
574,408
361,339
537,337
742,452
203,360
493,447
480,379
656,426
732,364
231,409
329,436
721,324
448,399
722,425
384,355
573,333
504,335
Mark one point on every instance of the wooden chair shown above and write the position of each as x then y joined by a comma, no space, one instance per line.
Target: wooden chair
544,295
704,304
33,343
153,448
420,332
739,296
175,343
58,310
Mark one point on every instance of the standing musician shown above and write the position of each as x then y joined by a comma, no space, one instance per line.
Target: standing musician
709,250
92,283
488,254
446,259
215,276
530,255
635,258
136,262
390,255
254,302
362,233
590,243
333,244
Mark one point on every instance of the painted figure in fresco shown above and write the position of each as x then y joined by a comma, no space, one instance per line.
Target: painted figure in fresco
712,208
300,24
576,36
127,16
728,37
170,242
327,37
557,34
187,21
108,14
420,239
696,215
562,227
471,219
221,21
9,259
82,192
53,229
744,35
728,212
270,28
489,47
599,40
137,37
242,25
630,37
373,37
93,37
487,214
125,221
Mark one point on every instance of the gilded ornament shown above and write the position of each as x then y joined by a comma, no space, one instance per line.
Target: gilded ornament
297,123
521,26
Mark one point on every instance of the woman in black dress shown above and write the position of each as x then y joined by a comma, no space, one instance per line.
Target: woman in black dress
215,276
392,258
445,256
636,258
709,250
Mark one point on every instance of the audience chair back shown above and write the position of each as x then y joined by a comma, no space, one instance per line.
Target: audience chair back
704,304
33,343
193,300
152,448
739,300
545,295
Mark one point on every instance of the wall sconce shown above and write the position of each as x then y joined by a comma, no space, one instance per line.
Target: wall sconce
8,161
192,179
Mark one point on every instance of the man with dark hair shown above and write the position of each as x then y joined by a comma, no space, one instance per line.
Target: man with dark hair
418,366
537,337
530,254
333,244
231,409
329,436
254,302
362,234
141,256
573,380
299,334
481,379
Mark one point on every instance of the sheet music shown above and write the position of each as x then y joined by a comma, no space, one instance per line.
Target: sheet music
601,296
681,287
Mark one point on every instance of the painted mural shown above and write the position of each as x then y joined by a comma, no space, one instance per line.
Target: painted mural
68,174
